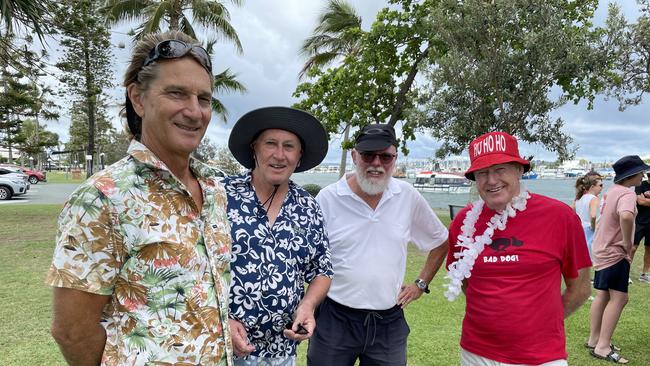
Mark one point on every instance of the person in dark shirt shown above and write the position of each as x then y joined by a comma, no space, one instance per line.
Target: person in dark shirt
642,226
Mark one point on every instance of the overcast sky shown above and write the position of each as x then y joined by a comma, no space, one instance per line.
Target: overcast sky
271,32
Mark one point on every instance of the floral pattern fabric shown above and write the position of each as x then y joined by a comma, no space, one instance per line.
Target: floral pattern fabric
272,264
132,232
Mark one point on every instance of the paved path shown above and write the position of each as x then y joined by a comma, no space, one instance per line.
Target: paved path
44,193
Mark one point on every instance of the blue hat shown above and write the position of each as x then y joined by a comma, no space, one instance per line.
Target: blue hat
628,166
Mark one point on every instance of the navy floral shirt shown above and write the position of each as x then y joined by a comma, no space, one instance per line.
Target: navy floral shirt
272,264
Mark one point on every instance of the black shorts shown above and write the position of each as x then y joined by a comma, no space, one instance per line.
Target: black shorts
640,232
344,334
614,277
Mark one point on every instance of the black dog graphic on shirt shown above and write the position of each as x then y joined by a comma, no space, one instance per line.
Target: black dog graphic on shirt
501,244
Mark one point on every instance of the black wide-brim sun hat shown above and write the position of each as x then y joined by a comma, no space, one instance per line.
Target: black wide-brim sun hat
628,166
309,130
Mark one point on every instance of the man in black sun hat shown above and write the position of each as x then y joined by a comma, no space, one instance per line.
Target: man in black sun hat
279,243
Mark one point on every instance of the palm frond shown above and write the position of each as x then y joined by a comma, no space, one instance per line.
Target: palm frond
214,16
157,13
116,11
220,109
338,17
318,60
185,26
226,81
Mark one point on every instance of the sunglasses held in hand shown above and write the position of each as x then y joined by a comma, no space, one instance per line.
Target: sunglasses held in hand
301,329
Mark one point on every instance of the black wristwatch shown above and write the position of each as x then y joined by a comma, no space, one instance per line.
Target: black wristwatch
423,286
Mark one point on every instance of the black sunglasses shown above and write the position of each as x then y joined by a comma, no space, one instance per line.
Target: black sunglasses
368,157
173,48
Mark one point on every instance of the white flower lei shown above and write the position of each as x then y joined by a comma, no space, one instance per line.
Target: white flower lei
462,267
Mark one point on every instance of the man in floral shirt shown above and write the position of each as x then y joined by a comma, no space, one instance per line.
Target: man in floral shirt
143,245
278,238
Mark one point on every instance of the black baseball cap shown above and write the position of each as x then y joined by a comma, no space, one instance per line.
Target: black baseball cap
375,137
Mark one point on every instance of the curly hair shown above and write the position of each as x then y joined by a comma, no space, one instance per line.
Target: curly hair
143,76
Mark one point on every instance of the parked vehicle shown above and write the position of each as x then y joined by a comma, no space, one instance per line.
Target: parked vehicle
11,185
34,176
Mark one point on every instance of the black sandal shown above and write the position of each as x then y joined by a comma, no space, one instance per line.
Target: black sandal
611,345
611,357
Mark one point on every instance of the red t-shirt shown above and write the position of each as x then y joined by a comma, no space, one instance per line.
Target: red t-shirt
514,312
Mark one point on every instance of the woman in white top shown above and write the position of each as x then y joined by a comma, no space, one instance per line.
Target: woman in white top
586,203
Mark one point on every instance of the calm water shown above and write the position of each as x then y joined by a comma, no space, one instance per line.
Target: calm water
561,189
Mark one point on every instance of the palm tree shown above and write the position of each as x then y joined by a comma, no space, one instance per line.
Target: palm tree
225,81
210,14
336,37
31,14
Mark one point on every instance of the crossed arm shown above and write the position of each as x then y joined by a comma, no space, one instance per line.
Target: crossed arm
76,326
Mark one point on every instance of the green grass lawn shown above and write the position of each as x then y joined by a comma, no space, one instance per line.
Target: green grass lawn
25,314
64,177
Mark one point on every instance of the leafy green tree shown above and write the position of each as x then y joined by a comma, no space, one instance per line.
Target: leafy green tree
16,105
376,84
502,60
117,144
79,131
629,46
85,65
21,17
35,139
217,156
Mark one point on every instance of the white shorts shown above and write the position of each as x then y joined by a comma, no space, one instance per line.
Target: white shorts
468,358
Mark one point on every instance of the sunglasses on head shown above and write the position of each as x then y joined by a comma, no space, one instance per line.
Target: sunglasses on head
173,48
369,157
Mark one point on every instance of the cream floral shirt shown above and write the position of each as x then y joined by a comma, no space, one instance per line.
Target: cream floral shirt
132,232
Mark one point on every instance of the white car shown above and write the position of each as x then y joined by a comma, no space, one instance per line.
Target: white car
14,173
11,186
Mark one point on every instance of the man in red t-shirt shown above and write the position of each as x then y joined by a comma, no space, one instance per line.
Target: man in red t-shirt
509,252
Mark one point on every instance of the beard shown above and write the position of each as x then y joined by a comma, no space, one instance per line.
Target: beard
372,186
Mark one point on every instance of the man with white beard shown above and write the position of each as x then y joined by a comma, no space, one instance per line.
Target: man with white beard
370,218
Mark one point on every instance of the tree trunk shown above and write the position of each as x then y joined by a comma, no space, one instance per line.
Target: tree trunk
90,102
406,86
344,153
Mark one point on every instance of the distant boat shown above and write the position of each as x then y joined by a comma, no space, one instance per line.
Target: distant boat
574,173
428,181
530,175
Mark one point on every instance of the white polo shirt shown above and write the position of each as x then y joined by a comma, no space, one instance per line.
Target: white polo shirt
368,247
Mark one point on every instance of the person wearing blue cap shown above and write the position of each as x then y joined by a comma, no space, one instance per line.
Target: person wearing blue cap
612,250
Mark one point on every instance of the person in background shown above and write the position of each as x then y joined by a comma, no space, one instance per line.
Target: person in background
279,242
586,203
143,246
508,253
370,218
612,250
642,227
